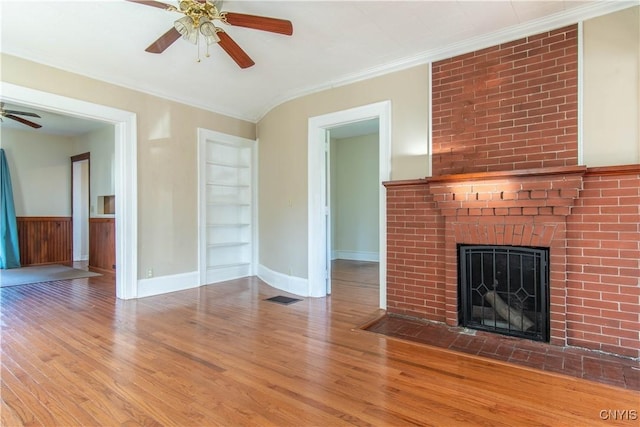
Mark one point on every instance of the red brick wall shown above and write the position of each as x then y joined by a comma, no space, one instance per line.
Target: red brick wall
507,107
603,263
415,253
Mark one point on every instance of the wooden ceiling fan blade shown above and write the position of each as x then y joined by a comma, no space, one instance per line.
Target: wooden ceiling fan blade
164,41
234,50
22,113
274,25
23,121
152,4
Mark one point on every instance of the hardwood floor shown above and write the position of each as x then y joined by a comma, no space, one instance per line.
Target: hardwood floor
74,355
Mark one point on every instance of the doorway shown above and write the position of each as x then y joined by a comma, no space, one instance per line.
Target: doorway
319,249
125,173
80,197
353,222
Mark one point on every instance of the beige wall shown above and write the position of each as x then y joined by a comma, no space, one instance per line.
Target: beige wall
612,89
40,172
610,132
282,165
167,158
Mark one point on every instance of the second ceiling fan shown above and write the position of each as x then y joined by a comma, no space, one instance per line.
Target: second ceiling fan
199,17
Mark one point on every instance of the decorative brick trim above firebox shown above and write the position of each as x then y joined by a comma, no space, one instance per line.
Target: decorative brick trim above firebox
521,208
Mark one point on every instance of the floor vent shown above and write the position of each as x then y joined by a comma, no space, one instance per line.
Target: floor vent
283,300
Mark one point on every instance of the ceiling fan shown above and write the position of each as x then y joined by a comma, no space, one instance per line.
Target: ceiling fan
11,114
199,17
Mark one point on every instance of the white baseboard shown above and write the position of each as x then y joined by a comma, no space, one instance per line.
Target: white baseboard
179,282
291,284
165,284
356,255
222,274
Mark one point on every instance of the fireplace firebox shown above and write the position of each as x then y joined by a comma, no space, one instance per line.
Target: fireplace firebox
505,289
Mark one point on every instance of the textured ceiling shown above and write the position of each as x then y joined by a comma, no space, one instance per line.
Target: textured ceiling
333,43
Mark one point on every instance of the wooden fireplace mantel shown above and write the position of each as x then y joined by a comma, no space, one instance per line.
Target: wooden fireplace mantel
485,176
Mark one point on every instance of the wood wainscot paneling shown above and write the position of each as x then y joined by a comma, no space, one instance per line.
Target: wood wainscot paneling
45,240
102,244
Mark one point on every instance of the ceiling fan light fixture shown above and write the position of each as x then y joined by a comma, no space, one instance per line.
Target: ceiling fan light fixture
209,32
184,5
185,27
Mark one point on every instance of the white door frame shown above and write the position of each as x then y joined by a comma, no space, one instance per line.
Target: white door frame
317,181
125,174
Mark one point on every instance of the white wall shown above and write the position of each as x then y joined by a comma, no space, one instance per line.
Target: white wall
40,172
101,144
612,89
40,168
354,198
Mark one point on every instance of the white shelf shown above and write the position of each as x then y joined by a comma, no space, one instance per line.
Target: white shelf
227,244
228,204
229,185
235,264
227,165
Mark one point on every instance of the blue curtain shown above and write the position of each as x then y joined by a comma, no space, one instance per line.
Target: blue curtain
9,250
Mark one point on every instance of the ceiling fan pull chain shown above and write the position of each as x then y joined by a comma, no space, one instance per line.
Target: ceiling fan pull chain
198,47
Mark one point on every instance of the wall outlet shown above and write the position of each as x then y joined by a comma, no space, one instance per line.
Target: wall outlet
149,272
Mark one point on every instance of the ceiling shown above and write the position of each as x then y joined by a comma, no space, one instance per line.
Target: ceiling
333,43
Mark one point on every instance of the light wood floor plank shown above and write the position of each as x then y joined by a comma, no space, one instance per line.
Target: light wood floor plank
222,356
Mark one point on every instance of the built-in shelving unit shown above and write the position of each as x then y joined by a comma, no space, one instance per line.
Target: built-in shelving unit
228,216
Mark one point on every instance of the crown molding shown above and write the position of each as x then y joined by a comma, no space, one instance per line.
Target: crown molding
131,85
548,23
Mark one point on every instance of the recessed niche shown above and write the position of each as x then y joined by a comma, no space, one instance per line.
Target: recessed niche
107,205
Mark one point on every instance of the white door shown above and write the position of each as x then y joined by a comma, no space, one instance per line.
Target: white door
226,207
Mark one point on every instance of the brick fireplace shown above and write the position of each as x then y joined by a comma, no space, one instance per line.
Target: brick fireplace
589,218
505,173
526,208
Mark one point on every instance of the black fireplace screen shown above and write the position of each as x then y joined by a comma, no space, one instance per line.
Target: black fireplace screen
504,289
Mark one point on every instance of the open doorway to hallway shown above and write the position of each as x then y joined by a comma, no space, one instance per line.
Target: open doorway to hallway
353,187
319,228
